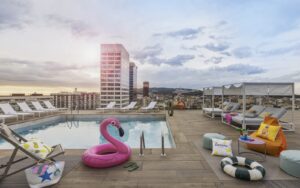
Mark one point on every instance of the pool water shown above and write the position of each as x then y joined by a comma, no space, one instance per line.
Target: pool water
83,134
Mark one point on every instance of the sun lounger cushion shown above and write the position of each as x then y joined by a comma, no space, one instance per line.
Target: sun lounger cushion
249,121
37,147
274,112
254,111
268,131
222,147
251,114
273,147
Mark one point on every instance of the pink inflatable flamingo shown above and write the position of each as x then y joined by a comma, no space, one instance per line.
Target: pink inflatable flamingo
110,154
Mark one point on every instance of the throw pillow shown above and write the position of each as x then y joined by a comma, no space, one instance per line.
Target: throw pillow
268,131
228,108
222,147
37,147
265,114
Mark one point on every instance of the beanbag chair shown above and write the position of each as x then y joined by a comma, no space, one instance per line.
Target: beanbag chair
273,147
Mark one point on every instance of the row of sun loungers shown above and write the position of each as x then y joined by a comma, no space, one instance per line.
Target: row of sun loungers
131,106
227,107
255,115
252,118
9,112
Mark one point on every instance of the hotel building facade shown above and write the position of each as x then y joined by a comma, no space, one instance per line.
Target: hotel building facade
132,82
114,75
76,100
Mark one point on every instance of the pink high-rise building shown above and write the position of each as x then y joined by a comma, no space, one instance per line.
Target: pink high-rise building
114,75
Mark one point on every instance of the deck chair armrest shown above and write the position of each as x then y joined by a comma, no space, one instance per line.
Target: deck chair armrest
19,136
55,150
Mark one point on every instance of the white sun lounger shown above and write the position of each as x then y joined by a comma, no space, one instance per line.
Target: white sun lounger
110,106
50,106
25,108
150,106
3,117
7,109
212,112
39,107
129,107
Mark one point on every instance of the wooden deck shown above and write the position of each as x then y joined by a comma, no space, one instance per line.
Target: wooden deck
184,166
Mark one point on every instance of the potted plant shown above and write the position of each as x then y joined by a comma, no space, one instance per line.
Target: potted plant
243,133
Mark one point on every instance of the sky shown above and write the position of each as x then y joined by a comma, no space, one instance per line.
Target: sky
54,45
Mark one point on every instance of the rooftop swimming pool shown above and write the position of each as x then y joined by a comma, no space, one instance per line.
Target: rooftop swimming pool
82,131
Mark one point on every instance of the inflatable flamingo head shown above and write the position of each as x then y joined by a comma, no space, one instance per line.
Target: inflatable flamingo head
114,122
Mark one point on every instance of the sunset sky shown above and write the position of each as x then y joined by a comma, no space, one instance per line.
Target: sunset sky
54,45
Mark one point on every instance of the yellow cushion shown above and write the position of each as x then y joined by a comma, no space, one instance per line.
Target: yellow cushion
37,147
268,131
264,114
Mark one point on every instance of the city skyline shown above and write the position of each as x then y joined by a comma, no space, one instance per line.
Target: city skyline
52,46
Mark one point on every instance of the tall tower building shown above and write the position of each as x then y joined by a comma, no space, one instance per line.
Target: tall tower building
145,89
114,75
132,82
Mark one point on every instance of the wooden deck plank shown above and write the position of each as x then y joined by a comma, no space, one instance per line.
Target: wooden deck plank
184,166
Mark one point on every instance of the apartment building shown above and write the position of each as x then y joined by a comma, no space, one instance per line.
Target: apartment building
76,100
132,82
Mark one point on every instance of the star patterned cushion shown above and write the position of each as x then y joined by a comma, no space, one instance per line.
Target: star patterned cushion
50,176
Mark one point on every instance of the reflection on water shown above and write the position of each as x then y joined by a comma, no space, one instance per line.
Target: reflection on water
84,134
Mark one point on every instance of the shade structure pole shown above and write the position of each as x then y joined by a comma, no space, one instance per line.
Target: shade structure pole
213,103
203,95
222,101
244,105
293,106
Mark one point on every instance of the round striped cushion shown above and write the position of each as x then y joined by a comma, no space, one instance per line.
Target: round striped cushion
256,171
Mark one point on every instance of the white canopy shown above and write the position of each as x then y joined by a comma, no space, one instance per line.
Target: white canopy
259,89
212,91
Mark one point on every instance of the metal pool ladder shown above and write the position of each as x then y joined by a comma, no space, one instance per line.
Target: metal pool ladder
142,144
163,153
72,121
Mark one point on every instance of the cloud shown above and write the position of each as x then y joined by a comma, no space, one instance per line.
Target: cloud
242,52
13,14
173,61
192,48
244,69
185,34
179,59
77,27
150,55
30,73
225,53
294,48
148,52
209,77
214,60
216,47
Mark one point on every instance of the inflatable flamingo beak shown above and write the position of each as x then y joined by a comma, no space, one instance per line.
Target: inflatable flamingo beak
121,132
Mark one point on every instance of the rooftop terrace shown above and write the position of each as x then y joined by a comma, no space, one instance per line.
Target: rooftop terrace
187,165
